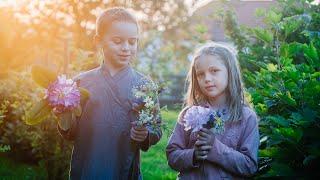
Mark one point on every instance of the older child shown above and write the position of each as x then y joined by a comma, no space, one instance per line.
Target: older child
106,142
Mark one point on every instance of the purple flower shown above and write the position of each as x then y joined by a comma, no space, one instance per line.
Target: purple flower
63,94
196,117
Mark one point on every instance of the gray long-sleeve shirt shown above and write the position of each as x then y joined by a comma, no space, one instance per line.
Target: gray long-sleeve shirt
234,153
103,148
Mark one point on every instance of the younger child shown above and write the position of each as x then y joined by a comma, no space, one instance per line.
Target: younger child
215,82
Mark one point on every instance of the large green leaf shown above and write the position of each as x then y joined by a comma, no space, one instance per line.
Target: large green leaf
263,35
39,112
311,54
279,120
43,76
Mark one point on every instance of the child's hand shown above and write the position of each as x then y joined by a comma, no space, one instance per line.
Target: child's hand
203,144
137,107
138,133
205,137
201,152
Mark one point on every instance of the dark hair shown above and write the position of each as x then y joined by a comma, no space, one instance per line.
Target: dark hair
111,15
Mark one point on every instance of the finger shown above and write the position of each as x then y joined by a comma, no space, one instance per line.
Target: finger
140,128
205,130
202,157
139,133
200,143
205,148
137,137
202,153
203,134
200,138
134,123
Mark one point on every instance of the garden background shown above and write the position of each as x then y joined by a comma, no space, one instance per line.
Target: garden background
279,58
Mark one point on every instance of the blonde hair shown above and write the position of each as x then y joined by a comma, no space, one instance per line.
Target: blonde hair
234,91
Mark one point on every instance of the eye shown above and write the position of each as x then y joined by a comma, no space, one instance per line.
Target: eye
213,70
116,40
132,41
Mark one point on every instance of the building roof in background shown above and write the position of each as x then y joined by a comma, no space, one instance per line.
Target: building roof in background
244,11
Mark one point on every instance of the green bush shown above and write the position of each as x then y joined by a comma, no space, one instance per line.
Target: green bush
40,145
280,65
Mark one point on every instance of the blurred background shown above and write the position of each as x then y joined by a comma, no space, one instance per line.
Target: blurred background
278,49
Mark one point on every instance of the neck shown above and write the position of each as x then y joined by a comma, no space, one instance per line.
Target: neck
218,102
113,69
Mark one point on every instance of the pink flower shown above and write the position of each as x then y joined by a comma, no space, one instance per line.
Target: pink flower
63,94
196,117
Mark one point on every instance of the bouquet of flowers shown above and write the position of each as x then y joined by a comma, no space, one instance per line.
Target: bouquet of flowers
61,94
197,117
148,106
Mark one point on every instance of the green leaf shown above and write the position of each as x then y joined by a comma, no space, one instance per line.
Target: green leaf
43,76
293,134
279,120
38,113
274,17
287,98
279,169
263,35
270,152
271,67
291,50
311,54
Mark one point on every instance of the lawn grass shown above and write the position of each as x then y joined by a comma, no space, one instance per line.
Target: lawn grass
154,162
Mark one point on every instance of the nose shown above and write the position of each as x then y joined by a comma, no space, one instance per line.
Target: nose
207,78
125,46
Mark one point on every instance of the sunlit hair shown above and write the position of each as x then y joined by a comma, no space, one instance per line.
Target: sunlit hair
234,91
105,20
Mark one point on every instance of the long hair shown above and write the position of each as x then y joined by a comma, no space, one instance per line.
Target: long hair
234,91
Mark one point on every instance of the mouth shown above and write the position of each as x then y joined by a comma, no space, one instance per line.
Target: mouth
210,88
124,56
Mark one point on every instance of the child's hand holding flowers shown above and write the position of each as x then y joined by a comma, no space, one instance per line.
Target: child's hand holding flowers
138,133
206,122
204,143
62,97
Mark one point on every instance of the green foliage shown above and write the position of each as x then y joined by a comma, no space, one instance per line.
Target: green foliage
10,169
39,145
280,65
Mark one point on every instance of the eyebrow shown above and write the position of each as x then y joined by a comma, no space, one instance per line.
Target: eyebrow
121,37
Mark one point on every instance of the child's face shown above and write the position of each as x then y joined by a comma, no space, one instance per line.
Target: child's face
212,76
120,43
